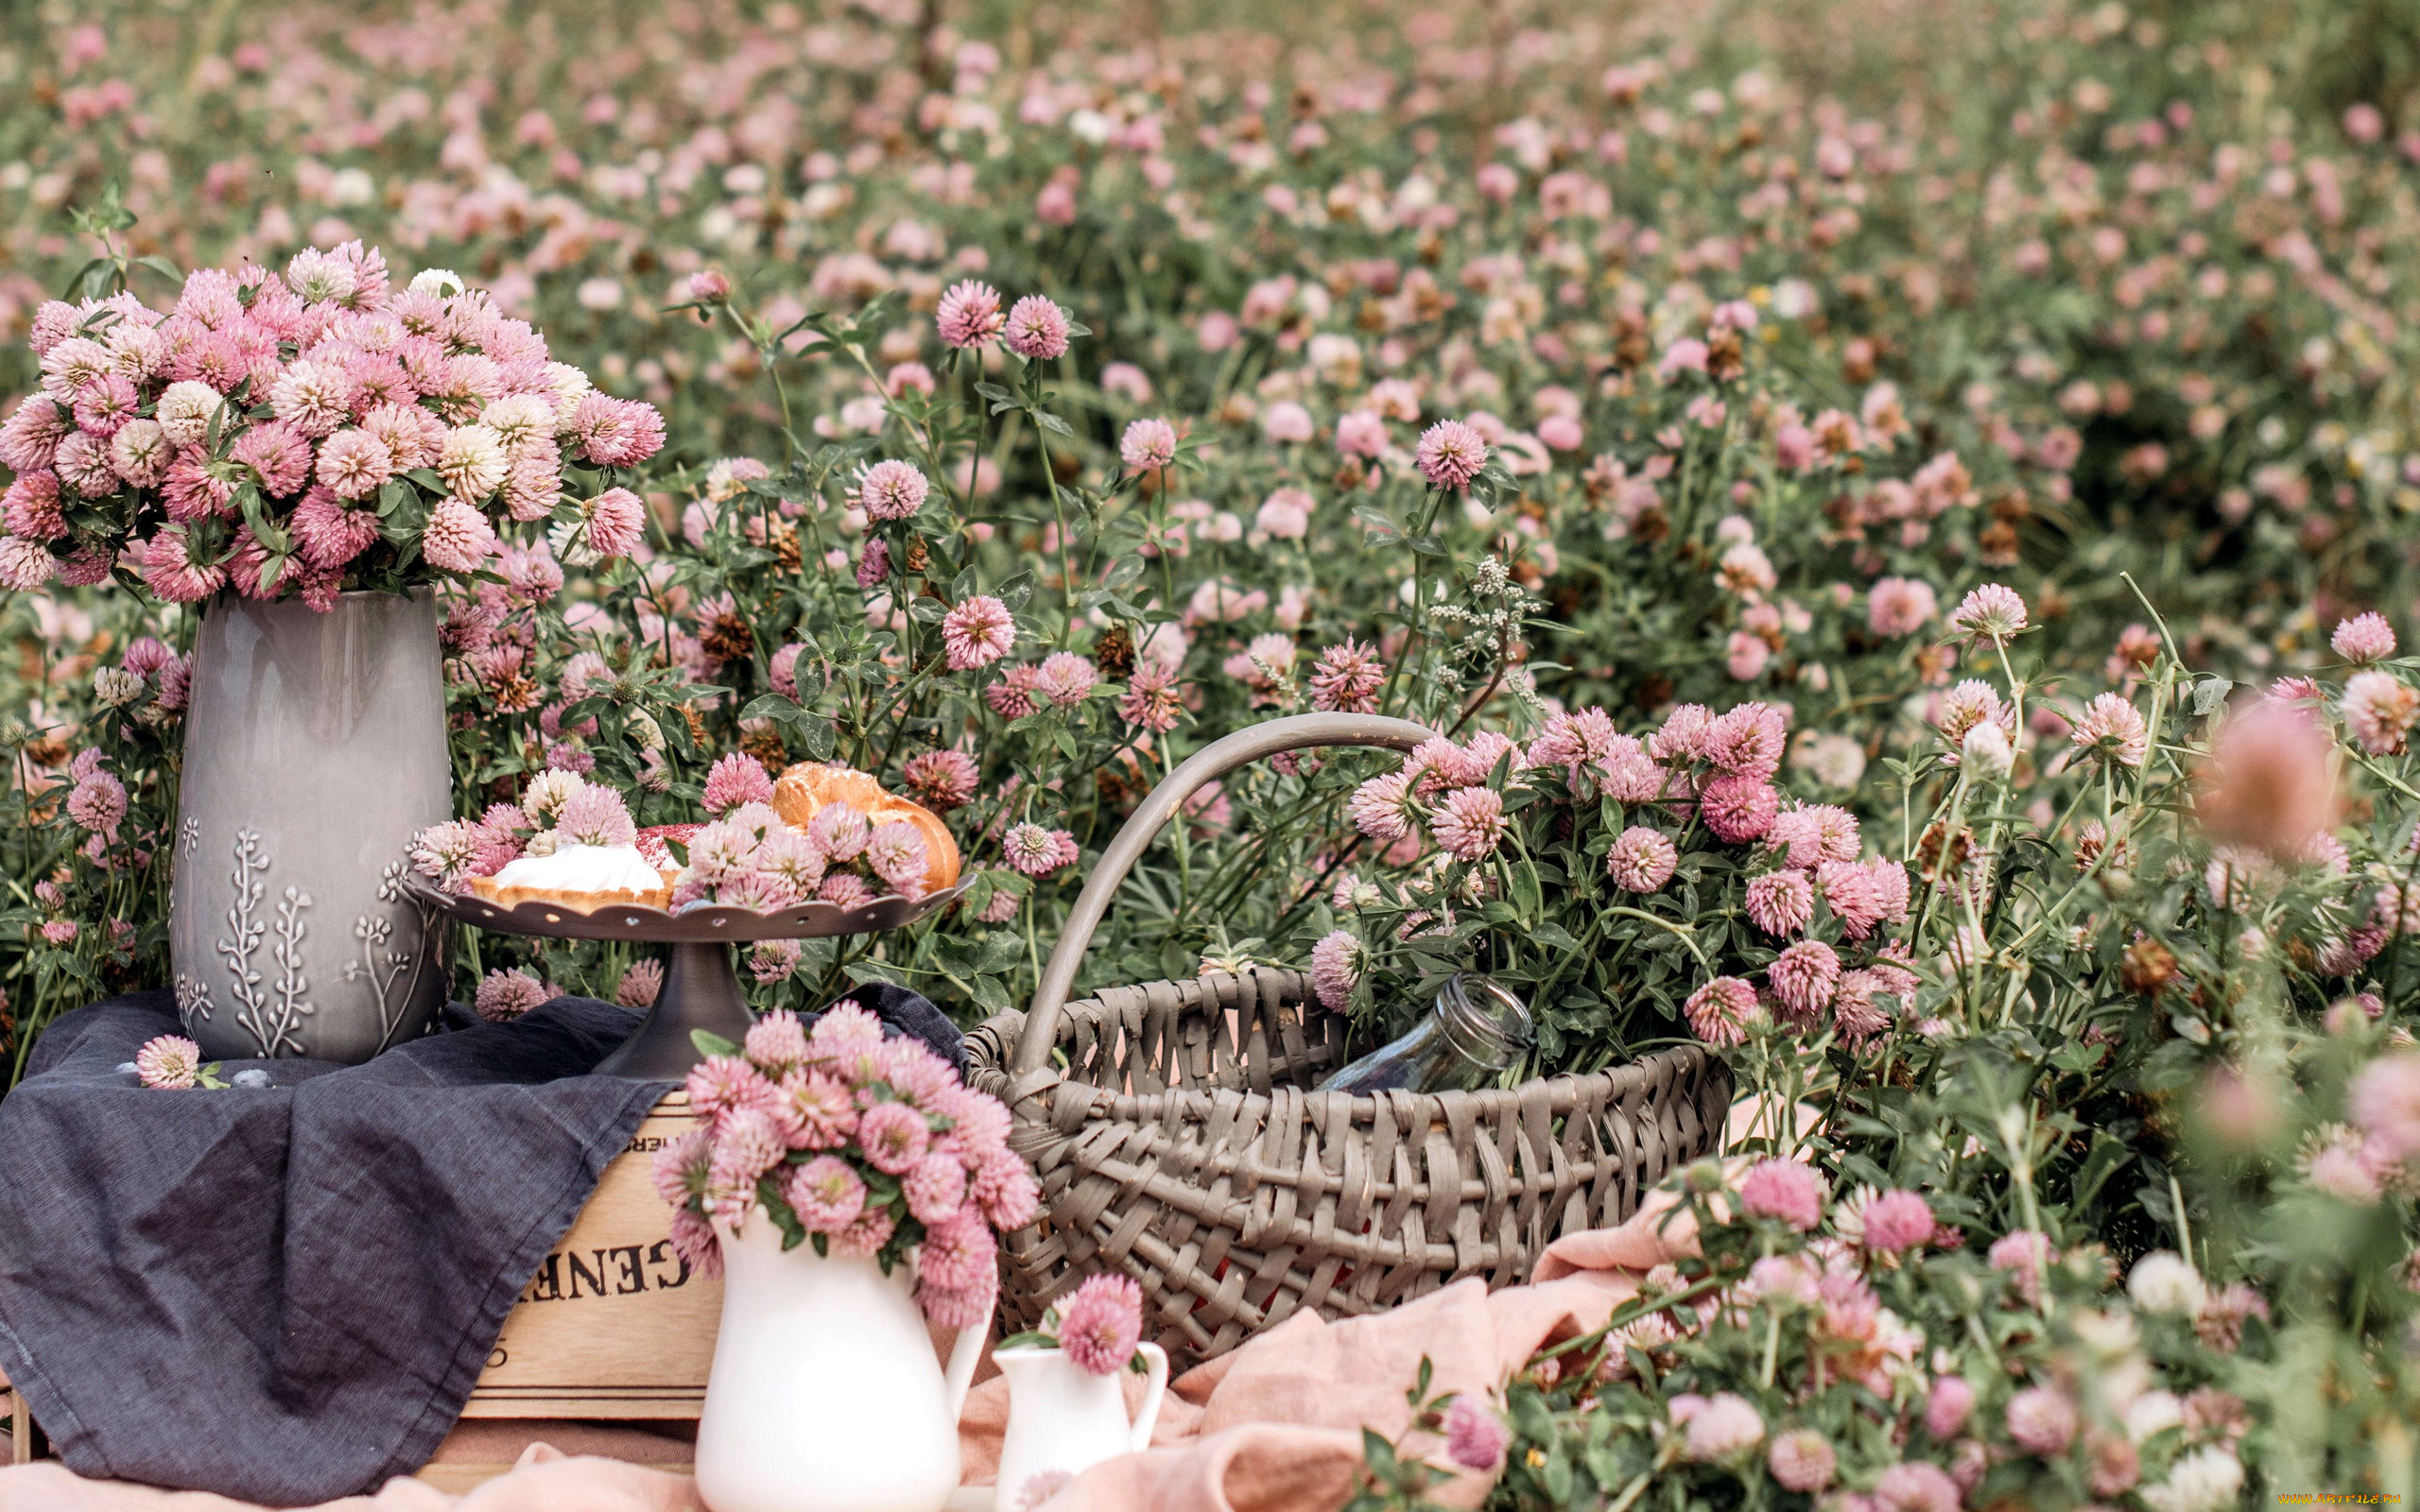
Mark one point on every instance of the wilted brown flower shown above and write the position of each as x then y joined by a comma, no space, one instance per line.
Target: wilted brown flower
1723,358
1929,846
1114,653
2149,966
760,739
727,638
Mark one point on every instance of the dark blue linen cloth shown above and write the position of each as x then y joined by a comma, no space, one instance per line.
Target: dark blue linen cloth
284,1292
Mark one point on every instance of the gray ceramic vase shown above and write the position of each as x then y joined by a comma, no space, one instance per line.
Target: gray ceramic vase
315,746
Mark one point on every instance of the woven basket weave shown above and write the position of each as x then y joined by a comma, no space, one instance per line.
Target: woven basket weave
1176,1141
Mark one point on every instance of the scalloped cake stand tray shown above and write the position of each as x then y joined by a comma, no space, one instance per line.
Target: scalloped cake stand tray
700,988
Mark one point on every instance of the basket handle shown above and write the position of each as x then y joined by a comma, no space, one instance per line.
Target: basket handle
1268,738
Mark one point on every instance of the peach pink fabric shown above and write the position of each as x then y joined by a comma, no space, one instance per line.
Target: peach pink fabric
1276,1426
543,1479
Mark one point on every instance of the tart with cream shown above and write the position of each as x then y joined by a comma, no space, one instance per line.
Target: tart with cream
809,786
583,878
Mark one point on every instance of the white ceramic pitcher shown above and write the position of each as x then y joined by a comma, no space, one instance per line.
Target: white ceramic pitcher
826,1395
1063,1418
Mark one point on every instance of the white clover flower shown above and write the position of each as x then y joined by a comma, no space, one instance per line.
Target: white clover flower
549,792
138,348
2106,1332
1835,761
1848,1214
473,461
568,541
519,418
316,276
1794,299
442,282
2204,1480
1986,751
185,411
721,479
313,397
2165,1282
141,451
115,687
569,386
2152,1414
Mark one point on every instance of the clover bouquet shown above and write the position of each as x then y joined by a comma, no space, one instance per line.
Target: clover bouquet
304,436
857,1144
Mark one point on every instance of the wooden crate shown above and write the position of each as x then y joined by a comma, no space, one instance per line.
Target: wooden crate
25,1439
612,1325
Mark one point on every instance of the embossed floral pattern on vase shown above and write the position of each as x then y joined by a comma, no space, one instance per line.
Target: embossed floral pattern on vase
315,747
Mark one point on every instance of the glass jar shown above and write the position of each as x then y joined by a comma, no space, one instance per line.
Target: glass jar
1471,1036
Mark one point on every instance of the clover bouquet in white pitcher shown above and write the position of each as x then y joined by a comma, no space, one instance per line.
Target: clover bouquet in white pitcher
844,1188
852,1143
1098,1326
1067,1409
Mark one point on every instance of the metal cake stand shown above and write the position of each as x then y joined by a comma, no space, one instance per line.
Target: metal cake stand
700,988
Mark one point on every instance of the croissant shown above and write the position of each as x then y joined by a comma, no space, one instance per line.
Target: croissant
809,786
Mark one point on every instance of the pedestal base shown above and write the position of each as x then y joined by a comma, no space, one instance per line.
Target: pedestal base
701,991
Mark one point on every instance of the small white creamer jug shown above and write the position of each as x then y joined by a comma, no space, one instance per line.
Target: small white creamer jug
1063,1420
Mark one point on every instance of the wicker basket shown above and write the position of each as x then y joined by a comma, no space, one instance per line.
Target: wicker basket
1180,1145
